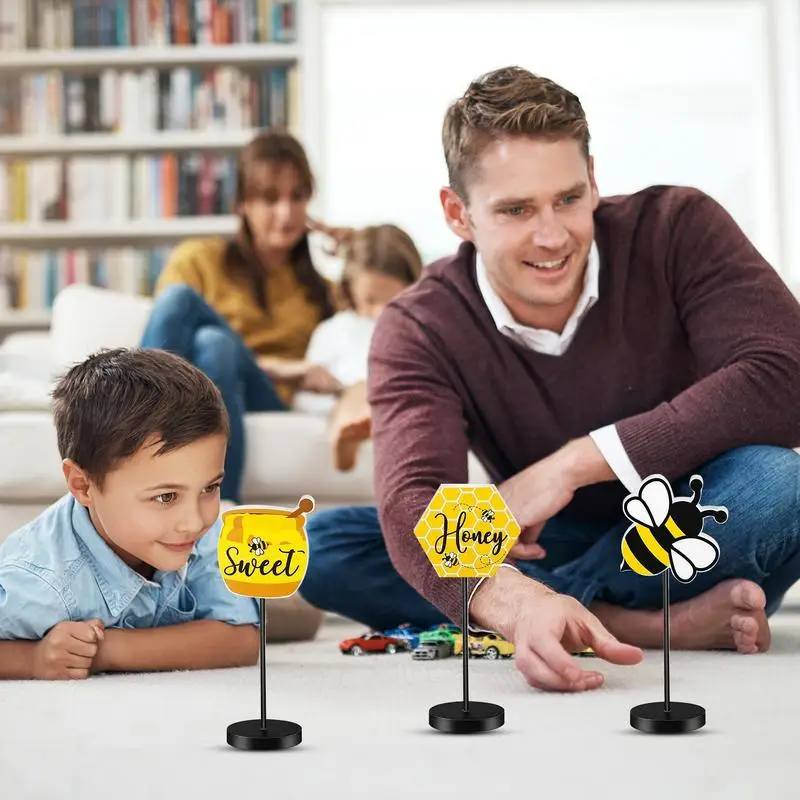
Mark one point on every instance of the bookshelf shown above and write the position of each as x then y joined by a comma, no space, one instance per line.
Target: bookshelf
119,125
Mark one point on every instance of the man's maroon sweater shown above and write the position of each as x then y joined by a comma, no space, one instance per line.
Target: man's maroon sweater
692,349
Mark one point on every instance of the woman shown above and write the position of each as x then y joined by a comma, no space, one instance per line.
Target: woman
244,310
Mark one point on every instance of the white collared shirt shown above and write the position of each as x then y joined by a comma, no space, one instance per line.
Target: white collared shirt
555,344
538,339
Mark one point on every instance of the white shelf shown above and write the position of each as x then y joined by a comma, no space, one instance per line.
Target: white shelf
21,318
111,144
97,59
143,232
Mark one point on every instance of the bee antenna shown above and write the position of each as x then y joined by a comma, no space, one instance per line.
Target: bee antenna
719,515
696,485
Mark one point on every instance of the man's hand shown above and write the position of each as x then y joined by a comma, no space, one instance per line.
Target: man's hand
534,496
546,635
547,487
68,650
546,628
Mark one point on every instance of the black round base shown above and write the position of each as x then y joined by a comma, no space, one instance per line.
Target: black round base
481,717
280,735
681,717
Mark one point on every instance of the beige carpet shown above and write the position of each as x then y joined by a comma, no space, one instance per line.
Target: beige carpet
366,734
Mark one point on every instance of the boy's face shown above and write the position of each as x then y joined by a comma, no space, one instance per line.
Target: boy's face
153,509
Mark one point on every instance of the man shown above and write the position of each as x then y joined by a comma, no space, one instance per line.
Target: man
576,346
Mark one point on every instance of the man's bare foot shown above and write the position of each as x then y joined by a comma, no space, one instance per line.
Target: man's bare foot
346,439
730,616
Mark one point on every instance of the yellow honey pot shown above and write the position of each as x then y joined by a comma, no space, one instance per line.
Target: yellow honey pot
263,551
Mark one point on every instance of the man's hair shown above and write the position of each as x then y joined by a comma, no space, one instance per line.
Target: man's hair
108,406
507,102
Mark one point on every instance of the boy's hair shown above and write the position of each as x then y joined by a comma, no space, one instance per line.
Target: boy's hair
507,102
383,249
106,407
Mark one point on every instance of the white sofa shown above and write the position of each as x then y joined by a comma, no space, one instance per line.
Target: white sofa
287,453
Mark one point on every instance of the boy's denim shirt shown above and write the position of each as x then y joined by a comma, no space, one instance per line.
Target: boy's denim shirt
58,568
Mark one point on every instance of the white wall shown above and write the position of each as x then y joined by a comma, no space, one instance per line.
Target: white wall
675,92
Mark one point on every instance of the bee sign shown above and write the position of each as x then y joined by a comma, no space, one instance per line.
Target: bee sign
263,551
466,531
667,533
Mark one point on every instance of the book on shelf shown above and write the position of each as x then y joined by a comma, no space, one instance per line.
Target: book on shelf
30,280
61,24
130,103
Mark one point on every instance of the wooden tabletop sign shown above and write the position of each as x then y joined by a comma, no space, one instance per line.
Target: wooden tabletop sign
263,553
466,532
666,537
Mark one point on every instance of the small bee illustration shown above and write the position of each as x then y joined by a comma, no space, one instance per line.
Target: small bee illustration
450,560
257,546
487,515
668,533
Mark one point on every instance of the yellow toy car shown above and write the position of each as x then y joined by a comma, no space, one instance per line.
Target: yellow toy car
484,645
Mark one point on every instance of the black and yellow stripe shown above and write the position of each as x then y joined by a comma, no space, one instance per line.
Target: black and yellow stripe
646,550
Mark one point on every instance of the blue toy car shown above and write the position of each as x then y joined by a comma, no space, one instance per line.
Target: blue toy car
405,631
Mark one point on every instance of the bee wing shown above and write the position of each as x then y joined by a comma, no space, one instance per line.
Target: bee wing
656,494
701,550
637,511
681,567
700,553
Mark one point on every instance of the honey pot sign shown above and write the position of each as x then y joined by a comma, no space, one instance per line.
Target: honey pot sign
466,530
263,550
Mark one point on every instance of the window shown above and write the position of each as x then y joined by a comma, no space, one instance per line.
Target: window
675,92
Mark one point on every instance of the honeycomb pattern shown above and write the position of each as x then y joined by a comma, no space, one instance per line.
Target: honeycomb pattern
466,531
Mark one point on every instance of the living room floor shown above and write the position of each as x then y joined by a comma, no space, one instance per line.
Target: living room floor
365,731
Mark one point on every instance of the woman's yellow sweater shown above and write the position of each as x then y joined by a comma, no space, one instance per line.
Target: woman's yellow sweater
283,330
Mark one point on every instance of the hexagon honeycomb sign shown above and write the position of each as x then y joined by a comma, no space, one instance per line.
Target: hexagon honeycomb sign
466,530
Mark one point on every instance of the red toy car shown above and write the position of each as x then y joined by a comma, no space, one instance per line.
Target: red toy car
372,642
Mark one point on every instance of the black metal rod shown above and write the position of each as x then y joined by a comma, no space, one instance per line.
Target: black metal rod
465,640
262,609
666,640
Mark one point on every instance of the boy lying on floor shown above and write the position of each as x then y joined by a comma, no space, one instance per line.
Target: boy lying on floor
121,574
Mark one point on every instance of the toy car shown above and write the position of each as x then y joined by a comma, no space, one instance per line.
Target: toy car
407,632
431,650
490,645
445,632
372,642
458,643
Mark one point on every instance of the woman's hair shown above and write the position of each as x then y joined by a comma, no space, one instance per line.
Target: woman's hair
383,249
280,149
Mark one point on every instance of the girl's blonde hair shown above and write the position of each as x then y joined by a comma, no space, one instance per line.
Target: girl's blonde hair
382,249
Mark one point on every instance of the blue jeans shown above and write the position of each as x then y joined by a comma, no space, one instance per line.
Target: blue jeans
182,322
350,572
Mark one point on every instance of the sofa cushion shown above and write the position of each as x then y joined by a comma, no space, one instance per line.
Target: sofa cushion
88,318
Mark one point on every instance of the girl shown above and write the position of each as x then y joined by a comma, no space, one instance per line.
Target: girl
379,263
